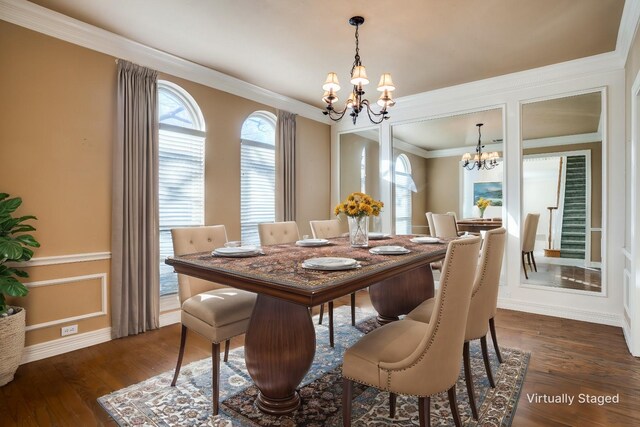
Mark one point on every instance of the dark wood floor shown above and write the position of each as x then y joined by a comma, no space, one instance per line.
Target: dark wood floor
566,357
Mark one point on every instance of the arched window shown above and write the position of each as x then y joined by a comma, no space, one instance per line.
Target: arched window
181,171
363,170
257,174
403,186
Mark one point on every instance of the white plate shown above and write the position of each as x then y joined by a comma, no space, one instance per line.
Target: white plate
378,236
330,263
389,250
240,251
425,239
312,242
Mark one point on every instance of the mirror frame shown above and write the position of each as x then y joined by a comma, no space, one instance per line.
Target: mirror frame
605,181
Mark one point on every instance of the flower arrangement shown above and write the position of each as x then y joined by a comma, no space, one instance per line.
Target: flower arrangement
358,205
482,204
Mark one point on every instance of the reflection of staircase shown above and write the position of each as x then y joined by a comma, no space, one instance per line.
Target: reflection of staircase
575,209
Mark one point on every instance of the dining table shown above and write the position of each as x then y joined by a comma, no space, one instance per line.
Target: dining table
280,340
475,225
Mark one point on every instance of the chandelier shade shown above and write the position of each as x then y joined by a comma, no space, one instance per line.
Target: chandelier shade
356,103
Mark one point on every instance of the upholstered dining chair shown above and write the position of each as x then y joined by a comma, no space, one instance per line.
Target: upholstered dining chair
415,358
326,229
278,233
432,228
445,225
482,309
529,241
216,312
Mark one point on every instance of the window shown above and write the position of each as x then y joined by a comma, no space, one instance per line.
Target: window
257,174
403,186
363,170
181,171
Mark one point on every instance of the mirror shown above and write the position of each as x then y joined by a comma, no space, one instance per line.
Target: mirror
429,174
562,193
360,167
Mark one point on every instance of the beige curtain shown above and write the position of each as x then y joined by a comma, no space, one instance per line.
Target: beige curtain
135,291
286,167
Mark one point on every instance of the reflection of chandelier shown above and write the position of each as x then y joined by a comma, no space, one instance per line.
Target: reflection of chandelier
481,160
359,79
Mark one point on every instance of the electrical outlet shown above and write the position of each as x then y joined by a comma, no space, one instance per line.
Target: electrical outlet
69,330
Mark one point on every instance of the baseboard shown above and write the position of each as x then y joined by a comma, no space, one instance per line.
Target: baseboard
560,311
169,318
64,345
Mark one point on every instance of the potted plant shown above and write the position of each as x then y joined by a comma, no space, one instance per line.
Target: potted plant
14,248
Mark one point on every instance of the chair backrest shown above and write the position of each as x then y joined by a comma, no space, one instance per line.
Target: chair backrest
529,232
454,215
188,240
445,226
325,229
432,228
439,354
277,233
484,297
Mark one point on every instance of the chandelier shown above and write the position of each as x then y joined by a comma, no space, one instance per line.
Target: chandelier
486,161
355,102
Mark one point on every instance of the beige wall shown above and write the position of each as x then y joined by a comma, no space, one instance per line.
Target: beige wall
57,124
351,146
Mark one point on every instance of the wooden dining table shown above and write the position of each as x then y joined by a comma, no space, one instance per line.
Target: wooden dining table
280,341
475,225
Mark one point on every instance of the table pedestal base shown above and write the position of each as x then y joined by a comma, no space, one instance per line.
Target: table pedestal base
279,348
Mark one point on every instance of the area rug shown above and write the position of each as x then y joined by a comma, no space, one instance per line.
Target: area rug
154,403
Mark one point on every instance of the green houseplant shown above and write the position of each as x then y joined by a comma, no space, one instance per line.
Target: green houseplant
15,246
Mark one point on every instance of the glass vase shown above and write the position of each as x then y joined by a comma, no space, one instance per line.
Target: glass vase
481,212
359,231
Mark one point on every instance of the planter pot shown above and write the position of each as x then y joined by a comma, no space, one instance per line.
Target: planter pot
12,339
359,231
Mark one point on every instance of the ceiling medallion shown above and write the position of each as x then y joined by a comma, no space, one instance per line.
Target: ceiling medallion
355,102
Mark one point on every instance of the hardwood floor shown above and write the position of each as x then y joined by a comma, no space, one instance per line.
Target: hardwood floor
566,357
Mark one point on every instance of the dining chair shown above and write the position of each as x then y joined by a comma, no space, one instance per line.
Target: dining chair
445,226
482,309
529,241
278,233
432,228
210,309
326,229
415,358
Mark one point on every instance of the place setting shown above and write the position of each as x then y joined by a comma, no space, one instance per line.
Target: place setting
237,250
389,250
330,264
312,242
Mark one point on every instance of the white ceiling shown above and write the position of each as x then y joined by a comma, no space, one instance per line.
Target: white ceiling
289,46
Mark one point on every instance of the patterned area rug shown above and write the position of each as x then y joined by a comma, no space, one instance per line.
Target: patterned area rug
154,403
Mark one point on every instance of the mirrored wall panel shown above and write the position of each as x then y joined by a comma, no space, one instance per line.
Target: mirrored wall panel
360,167
562,193
430,175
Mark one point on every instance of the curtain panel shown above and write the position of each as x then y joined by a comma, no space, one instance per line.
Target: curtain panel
286,167
135,292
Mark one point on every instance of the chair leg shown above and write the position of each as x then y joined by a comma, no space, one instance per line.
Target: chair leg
529,261
468,376
454,406
392,404
524,267
353,309
183,341
494,338
227,344
424,409
321,314
331,323
347,391
535,267
485,356
215,376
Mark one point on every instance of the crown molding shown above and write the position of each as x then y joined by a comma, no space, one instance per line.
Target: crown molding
628,28
57,25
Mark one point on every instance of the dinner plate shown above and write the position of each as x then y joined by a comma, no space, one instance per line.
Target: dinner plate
378,236
425,239
330,263
312,242
389,250
239,251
